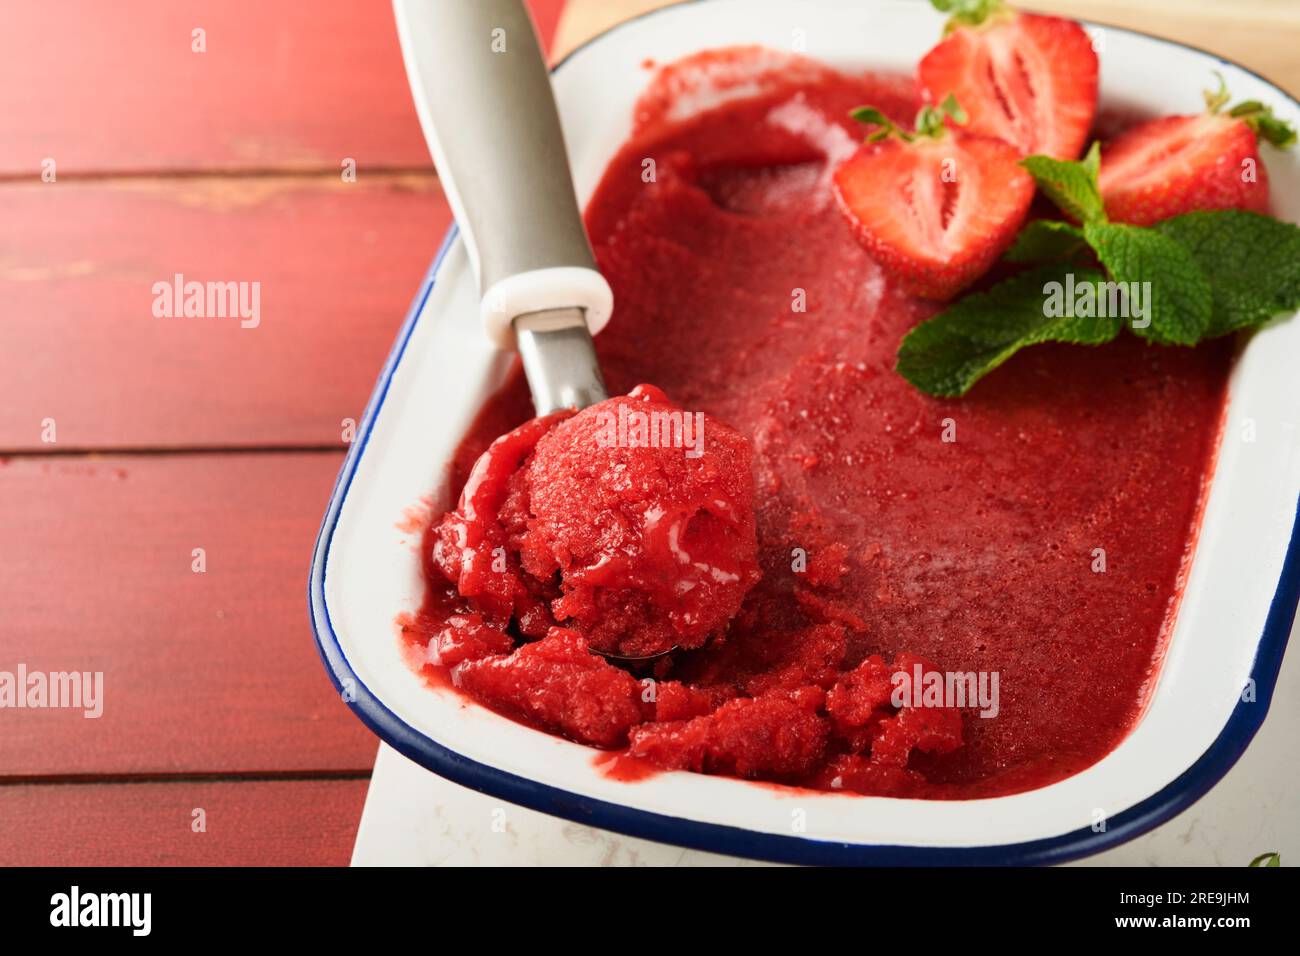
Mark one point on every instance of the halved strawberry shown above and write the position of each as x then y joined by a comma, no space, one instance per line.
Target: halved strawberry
937,208
1028,79
1179,164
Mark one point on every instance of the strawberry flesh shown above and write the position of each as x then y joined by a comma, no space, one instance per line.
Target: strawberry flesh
1178,164
1027,79
935,213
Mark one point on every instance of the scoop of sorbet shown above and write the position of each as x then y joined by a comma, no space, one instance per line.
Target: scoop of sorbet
630,522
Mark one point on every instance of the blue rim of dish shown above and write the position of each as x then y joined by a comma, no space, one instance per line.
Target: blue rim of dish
1172,799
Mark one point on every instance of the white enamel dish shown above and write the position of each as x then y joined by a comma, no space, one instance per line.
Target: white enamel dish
1230,631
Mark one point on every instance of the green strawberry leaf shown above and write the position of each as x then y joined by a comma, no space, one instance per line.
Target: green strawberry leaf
874,117
1266,126
1267,859
1258,116
1252,262
950,352
1046,240
967,12
1216,99
930,121
1165,296
1071,184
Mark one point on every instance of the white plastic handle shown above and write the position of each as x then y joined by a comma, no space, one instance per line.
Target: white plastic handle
483,95
559,287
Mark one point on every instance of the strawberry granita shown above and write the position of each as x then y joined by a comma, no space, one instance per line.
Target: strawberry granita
1038,528
558,683
631,523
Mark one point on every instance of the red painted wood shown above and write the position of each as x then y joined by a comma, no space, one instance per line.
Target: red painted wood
546,16
256,823
337,265
110,86
281,84
211,673
203,673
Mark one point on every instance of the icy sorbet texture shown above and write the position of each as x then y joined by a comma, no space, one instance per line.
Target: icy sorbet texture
631,523
796,524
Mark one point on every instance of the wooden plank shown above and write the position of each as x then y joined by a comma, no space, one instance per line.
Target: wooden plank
248,823
281,85
1260,34
202,672
337,265
583,19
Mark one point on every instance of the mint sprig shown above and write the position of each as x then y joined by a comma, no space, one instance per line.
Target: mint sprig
1179,282
1169,299
1251,261
1071,184
952,351
1044,240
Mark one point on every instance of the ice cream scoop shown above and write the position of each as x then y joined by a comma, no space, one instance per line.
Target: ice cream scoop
484,98
483,95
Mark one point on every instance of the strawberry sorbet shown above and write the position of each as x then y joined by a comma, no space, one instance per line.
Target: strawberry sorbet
631,523
1038,528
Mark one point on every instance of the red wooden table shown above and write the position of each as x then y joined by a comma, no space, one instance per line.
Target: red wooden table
175,434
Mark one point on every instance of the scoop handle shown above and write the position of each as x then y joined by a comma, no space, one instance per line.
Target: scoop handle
483,95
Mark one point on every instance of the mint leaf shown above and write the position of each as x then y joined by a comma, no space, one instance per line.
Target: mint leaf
1071,184
1166,296
1252,262
950,352
1267,859
1043,240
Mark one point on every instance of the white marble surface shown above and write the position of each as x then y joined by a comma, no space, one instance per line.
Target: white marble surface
414,818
